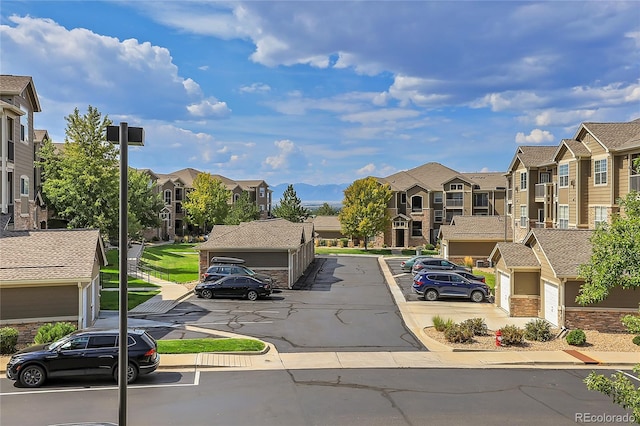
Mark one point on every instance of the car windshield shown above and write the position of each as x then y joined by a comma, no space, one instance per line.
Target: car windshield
58,343
249,271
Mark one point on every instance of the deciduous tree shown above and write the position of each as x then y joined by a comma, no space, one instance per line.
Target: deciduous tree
242,210
207,204
326,210
290,207
364,209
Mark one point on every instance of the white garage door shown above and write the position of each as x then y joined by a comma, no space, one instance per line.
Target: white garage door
551,303
505,291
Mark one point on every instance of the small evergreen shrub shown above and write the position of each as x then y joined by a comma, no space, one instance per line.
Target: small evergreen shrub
51,332
458,333
512,335
440,324
429,247
576,337
538,330
632,323
476,325
636,340
8,340
344,242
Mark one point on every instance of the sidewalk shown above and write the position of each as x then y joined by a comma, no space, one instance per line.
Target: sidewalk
415,315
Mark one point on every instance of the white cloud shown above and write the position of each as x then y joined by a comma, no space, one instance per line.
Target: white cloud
554,117
255,88
286,151
536,136
209,108
373,170
509,101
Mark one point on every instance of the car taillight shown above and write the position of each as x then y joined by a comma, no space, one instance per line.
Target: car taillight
150,352
483,280
403,263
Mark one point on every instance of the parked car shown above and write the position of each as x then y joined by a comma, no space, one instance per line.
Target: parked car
406,265
234,286
84,353
435,284
467,275
436,263
217,271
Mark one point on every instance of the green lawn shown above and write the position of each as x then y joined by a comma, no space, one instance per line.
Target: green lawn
174,262
490,278
192,346
110,300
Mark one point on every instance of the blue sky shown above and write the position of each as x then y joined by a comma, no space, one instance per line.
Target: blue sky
328,91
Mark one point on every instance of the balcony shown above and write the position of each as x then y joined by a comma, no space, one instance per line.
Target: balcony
543,192
454,202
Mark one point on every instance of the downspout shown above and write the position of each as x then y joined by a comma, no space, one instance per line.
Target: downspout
561,307
4,207
80,307
290,268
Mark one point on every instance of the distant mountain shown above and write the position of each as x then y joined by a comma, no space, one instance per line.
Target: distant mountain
312,195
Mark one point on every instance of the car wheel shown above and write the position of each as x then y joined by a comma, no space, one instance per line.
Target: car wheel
32,376
477,296
252,295
132,373
207,294
430,295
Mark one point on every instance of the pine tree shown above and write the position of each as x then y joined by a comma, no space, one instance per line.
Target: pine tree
290,207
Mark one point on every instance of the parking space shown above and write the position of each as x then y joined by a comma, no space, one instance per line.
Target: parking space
404,279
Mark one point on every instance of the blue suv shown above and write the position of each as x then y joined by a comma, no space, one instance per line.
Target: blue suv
435,284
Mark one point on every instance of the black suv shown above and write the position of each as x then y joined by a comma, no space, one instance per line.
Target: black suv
81,353
217,271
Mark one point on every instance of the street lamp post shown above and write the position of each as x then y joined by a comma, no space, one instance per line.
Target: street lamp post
125,136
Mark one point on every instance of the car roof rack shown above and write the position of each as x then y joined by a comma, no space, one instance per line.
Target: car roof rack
227,260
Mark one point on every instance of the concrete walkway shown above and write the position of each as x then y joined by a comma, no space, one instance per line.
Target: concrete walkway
416,316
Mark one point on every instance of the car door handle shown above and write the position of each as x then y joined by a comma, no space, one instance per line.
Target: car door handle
105,356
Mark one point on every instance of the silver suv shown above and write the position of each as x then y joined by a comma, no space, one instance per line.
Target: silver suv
436,264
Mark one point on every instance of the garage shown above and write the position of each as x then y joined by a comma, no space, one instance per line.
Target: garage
551,303
505,291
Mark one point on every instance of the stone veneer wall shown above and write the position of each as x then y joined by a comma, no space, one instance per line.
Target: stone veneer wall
600,320
524,306
280,276
27,330
24,222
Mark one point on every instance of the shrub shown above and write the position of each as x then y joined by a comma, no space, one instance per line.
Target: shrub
8,340
576,337
51,332
440,324
512,335
344,242
477,326
636,340
429,247
458,333
468,262
632,323
538,330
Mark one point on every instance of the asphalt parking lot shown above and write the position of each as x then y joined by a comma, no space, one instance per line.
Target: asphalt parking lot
404,280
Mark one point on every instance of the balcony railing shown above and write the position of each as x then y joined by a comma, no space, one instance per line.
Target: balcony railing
454,202
634,184
543,192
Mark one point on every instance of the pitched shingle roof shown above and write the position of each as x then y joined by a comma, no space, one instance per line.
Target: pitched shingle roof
51,254
565,249
15,84
259,235
516,255
575,147
488,180
534,156
615,136
429,176
326,223
481,228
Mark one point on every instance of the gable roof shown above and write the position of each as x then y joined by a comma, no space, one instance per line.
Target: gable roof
564,249
15,85
326,223
613,136
429,176
477,228
488,180
50,254
576,148
533,156
515,255
259,235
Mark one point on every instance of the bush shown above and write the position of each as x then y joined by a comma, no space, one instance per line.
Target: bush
429,247
440,324
512,335
538,330
51,332
477,326
636,340
344,242
8,340
576,337
458,333
632,323
468,261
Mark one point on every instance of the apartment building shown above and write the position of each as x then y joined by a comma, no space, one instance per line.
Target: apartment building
577,183
173,188
430,195
20,205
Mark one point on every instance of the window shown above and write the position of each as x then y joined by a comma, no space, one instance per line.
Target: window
76,343
416,228
563,175
403,198
24,186
167,196
601,215
97,342
437,216
262,192
563,217
236,197
634,181
24,126
523,216
416,203
437,197
523,180
261,207
178,207
455,187
481,200
600,171
178,194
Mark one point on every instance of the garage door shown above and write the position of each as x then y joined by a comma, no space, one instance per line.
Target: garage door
505,291
551,303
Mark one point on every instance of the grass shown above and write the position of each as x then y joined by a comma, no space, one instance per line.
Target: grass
490,278
378,252
110,300
177,262
192,346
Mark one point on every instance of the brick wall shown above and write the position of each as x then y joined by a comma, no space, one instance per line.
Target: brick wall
600,320
524,306
27,331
